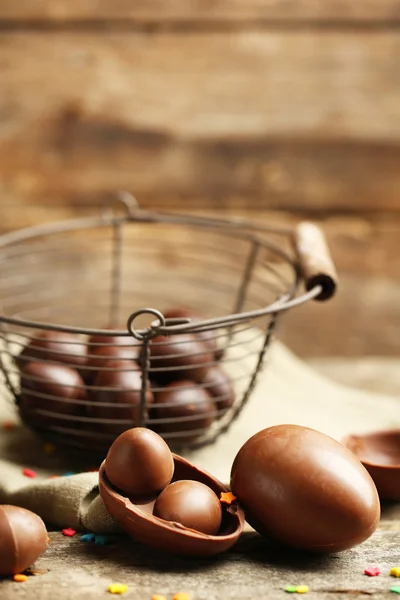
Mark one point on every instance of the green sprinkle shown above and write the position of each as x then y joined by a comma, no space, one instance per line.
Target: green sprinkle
291,589
395,589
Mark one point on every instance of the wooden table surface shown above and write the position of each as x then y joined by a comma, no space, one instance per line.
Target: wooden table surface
252,569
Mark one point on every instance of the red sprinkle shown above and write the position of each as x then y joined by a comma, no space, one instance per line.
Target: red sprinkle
8,425
69,532
372,571
29,473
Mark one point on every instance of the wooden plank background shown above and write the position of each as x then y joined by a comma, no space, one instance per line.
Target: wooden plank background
274,110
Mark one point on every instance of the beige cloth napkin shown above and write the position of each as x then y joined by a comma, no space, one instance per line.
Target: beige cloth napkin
287,392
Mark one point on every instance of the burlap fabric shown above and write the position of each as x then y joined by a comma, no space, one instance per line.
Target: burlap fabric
288,392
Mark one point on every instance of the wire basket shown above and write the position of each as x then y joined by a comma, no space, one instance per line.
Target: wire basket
84,362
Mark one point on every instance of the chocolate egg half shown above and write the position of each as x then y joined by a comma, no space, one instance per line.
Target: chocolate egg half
23,538
305,489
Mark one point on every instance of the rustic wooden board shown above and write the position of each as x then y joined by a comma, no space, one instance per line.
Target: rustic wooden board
252,569
202,11
296,119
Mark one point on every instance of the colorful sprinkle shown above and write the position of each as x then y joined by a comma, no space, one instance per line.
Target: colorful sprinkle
101,540
395,589
117,588
227,497
181,596
395,571
49,448
290,589
372,571
88,537
29,473
69,532
20,577
53,476
68,474
8,425
158,597
302,589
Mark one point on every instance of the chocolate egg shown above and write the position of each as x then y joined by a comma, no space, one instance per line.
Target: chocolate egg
54,388
139,463
218,385
116,395
23,538
56,347
97,341
167,536
100,356
207,337
192,504
305,489
186,407
379,452
179,357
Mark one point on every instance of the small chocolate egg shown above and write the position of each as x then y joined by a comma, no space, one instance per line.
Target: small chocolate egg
207,337
99,357
116,395
54,388
23,538
219,386
190,503
56,347
97,341
305,489
190,407
179,357
139,463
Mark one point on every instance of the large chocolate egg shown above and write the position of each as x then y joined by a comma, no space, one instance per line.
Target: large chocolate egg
54,388
23,538
192,504
139,463
182,406
219,386
56,347
179,357
116,395
305,489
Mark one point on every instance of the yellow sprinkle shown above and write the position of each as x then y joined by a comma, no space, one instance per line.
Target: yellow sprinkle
395,571
181,596
302,589
117,588
49,448
227,497
158,597
19,577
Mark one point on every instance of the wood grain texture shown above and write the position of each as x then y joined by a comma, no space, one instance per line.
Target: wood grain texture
252,569
156,11
300,120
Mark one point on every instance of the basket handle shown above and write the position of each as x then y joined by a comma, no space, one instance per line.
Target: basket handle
315,260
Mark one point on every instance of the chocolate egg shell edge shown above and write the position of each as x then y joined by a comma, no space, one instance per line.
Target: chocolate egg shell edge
167,536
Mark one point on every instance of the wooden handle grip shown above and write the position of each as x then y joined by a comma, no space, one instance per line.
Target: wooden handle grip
315,260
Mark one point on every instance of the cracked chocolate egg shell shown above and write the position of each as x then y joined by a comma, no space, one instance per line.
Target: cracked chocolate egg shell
305,489
23,538
167,536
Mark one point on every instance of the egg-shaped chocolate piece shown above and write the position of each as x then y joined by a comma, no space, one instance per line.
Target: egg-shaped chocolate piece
167,536
219,386
99,357
139,463
23,538
116,395
97,341
379,452
55,347
182,407
192,504
305,489
50,387
207,337
179,357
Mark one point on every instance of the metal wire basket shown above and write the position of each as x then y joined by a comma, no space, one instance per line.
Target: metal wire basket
185,368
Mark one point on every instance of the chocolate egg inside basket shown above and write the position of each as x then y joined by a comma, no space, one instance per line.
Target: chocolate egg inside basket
90,279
